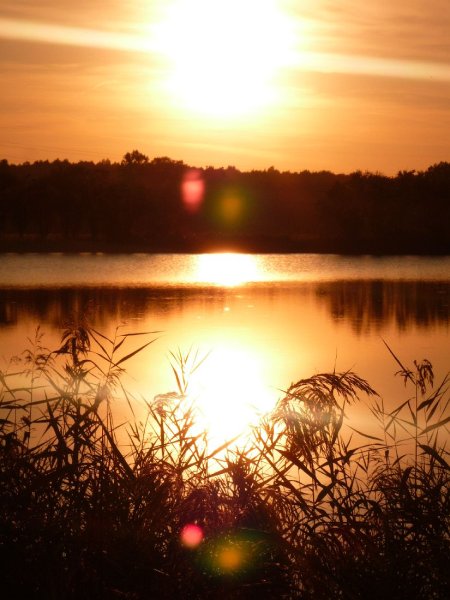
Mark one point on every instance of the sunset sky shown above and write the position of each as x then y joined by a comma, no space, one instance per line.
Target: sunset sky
324,84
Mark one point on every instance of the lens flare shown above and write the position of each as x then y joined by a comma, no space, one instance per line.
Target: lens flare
191,535
230,558
237,553
192,190
231,207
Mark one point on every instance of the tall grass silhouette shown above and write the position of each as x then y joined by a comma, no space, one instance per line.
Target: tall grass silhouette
305,508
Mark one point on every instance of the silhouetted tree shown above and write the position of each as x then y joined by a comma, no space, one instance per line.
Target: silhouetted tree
134,158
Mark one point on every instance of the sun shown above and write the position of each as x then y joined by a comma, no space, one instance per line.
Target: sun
223,56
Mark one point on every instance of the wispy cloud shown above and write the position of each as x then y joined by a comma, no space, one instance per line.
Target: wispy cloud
49,33
404,29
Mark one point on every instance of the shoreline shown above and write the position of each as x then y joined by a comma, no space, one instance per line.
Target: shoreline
212,246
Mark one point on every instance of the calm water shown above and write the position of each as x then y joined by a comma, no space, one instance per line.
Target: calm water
265,320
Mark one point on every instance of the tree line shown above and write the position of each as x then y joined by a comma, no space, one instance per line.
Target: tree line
166,205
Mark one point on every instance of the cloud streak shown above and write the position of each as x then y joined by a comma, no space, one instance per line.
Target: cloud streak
322,62
327,62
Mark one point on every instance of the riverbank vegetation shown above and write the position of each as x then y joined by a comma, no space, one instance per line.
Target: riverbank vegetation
164,205
305,507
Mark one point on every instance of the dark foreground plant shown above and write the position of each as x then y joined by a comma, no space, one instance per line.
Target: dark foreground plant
301,511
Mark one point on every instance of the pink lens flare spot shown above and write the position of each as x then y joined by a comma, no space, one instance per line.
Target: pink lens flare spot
191,535
192,190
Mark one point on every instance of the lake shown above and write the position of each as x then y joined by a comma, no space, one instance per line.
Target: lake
263,321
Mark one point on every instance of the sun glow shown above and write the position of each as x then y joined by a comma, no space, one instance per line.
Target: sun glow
224,56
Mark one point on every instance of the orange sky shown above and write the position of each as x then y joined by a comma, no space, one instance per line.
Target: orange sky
324,84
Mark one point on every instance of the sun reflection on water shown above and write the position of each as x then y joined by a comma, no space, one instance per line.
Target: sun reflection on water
228,269
231,394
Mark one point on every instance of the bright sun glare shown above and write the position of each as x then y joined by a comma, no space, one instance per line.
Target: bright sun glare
224,55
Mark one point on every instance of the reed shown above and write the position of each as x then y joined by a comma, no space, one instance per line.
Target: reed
301,510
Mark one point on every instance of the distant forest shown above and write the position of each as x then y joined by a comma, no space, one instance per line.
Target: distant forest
163,205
